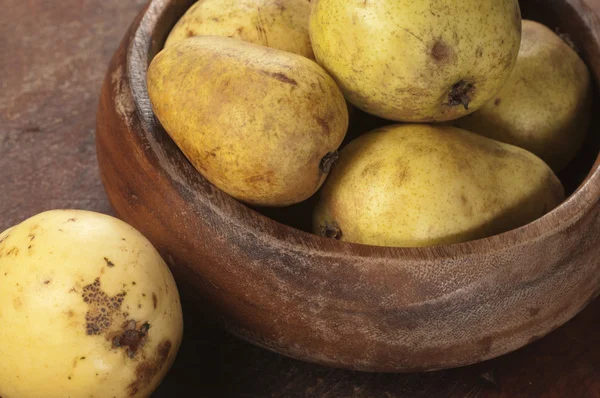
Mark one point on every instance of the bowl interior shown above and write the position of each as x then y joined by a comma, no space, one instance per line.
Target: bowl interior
552,13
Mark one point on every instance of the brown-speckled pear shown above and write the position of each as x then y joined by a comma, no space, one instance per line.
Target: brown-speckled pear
281,24
88,308
417,60
545,107
262,124
421,185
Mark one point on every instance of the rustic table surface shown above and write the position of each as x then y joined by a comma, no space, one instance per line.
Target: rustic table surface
54,55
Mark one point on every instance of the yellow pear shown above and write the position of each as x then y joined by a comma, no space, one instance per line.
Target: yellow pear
281,24
417,60
545,107
88,308
261,124
423,185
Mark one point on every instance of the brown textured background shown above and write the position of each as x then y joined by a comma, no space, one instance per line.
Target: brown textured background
54,55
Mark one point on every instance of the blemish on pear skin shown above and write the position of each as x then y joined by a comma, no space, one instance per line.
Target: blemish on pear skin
109,263
440,52
103,308
280,6
261,178
403,172
17,303
146,370
371,169
323,123
2,240
132,338
281,77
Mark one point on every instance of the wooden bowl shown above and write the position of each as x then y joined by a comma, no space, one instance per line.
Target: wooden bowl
341,304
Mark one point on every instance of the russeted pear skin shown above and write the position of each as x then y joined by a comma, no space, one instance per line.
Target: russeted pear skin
421,185
417,60
280,24
545,107
261,124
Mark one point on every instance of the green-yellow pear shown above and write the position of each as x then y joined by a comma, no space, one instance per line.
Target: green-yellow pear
281,24
422,185
261,124
417,60
545,106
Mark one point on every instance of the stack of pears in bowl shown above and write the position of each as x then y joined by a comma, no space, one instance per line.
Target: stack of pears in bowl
376,185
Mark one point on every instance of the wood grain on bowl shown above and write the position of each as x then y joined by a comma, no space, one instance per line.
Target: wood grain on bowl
335,303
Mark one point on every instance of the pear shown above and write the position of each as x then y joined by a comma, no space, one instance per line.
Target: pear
417,60
545,107
261,124
422,185
87,302
281,24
